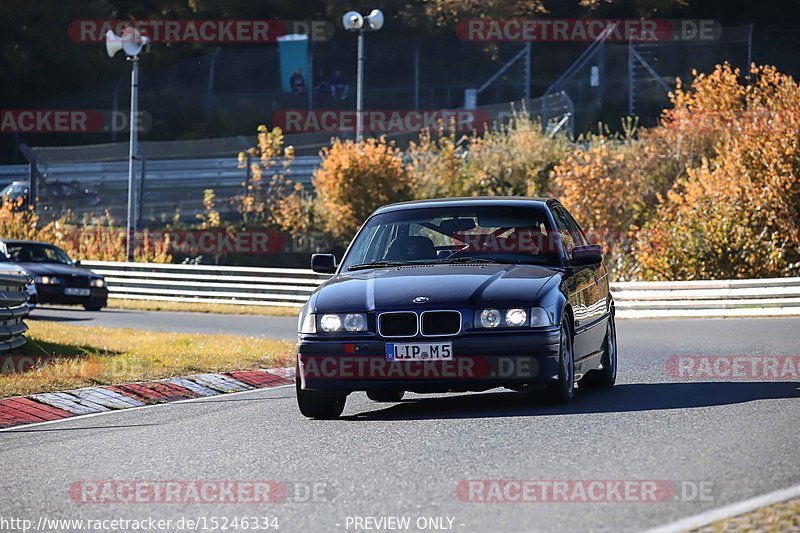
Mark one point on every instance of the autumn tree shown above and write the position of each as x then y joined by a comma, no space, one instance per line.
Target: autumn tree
354,179
738,213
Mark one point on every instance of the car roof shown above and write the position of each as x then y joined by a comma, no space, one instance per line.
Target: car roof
504,201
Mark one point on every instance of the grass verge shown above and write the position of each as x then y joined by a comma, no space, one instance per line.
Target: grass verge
183,307
778,517
68,356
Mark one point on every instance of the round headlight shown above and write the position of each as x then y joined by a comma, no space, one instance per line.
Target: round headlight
516,317
490,318
330,323
355,322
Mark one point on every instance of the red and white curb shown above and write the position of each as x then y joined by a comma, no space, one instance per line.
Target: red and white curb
51,406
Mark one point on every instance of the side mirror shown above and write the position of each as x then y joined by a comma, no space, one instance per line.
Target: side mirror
591,254
77,262
323,263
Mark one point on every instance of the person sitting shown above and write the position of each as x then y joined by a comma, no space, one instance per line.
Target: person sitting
338,85
297,82
411,248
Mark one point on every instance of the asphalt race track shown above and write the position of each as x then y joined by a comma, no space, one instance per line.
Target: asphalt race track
255,326
738,439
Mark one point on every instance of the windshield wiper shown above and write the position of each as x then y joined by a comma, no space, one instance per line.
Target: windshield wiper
376,264
469,259
489,260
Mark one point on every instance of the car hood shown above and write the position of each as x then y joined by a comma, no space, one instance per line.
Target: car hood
54,269
443,285
12,268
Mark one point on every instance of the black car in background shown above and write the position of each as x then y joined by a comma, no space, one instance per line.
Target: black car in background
458,295
58,279
54,196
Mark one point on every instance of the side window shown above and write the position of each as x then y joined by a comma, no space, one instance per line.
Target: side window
575,229
571,235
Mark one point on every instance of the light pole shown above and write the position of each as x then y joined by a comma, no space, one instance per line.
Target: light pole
354,21
132,43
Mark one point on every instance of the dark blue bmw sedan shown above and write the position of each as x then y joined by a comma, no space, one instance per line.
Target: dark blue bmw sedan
463,294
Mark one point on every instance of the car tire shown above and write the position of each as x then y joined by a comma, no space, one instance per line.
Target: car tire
92,307
318,405
606,377
562,391
385,396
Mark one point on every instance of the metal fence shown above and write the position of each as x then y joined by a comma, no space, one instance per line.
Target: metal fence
170,176
292,287
207,284
722,298
13,310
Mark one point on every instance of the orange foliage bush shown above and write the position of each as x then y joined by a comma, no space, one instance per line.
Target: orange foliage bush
737,214
356,178
615,184
267,185
90,241
512,159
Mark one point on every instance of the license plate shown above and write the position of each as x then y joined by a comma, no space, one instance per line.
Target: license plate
72,291
419,351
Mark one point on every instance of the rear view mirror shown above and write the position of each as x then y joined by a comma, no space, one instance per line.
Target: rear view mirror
591,254
456,225
323,263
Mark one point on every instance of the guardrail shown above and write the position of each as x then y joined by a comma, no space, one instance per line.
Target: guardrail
291,287
13,309
712,298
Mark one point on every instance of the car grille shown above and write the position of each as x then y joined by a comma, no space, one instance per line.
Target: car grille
398,324
436,323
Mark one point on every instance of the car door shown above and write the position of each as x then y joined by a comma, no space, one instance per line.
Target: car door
583,288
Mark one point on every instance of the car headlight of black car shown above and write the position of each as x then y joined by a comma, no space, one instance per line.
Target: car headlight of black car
332,322
513,317
97,282
48,280
338,322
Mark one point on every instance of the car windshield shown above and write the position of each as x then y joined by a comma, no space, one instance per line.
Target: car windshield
37,253
14,190
455,234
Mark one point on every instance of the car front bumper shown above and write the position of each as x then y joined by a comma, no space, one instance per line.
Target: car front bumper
54,294
480,361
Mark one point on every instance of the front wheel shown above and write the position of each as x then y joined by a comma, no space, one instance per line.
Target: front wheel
562,390
92,307
605,377
318,404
